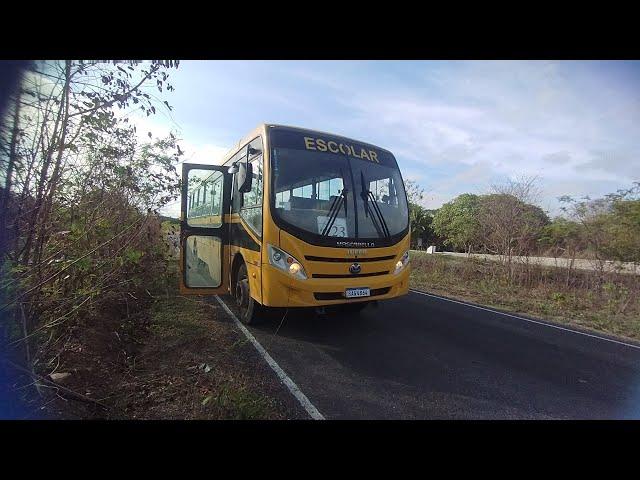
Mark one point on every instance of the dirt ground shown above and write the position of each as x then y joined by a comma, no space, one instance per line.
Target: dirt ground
187,361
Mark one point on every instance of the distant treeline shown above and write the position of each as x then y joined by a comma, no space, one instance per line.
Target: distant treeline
506,221
164,218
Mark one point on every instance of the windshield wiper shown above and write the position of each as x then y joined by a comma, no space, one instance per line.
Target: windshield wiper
367,195
335,208
379,212
333,211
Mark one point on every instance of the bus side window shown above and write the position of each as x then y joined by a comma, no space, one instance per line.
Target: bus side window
382,191
282,198
204,193
251,209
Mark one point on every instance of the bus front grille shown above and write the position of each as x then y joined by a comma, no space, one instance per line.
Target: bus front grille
348,275
348,260
376,292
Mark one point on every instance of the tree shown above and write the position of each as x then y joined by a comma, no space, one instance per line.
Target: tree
420,219
415,193
510,224
79,194
624,226
565,238
611,232
63,105
611,224
421,222
457,222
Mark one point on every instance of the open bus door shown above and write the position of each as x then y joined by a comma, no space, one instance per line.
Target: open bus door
204,242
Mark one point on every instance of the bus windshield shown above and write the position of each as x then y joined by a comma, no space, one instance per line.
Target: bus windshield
331,195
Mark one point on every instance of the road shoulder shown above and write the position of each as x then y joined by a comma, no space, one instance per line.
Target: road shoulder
188,361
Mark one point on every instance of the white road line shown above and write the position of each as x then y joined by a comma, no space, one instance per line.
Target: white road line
526,319
284,378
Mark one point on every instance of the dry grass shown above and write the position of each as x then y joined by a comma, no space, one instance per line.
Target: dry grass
195,365
606,303
188,361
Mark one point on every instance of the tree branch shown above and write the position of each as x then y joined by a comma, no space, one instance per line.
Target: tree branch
154,69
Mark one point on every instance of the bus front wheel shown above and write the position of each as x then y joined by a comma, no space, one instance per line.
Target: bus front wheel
249,308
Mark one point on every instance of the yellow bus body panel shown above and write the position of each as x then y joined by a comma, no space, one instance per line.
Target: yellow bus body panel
252,259
280,289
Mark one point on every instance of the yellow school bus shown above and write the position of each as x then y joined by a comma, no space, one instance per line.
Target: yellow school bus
295,218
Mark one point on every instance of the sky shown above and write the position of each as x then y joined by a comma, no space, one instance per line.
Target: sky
453,126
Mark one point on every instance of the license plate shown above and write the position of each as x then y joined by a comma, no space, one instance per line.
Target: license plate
357,292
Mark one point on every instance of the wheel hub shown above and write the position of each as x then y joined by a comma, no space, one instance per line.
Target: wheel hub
242,293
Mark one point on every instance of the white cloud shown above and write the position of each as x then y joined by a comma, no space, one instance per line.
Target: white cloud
459,126
193,152
509,119
433,200
207,153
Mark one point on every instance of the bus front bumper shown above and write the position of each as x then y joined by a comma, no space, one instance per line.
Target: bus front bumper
282,290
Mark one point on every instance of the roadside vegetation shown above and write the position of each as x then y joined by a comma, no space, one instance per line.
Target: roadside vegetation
604,305
80,241
91,324
182,358
506,222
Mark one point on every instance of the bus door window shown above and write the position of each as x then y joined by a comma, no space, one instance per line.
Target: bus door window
202,253
200,207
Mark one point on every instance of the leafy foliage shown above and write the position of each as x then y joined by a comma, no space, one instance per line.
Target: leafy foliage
563,236
80,199
419,218
457,221
421,222
611,225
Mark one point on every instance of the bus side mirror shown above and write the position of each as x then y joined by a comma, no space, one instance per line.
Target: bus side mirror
244,177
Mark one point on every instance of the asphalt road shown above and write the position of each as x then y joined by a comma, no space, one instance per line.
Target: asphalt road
423,357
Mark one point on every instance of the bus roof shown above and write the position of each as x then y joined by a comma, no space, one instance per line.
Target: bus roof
262,128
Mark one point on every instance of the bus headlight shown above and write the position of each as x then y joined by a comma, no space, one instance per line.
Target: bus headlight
294,268
403,262
285,262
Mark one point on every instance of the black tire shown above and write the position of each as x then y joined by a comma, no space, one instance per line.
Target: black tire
250,310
